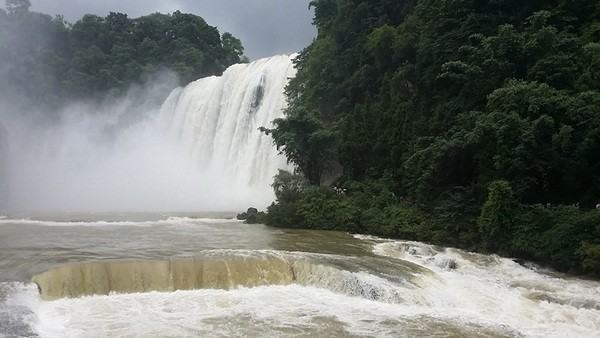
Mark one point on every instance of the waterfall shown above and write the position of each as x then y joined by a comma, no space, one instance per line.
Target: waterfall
195,149
216,120
232,269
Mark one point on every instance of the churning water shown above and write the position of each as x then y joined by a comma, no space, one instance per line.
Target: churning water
200,149
154,275
178,275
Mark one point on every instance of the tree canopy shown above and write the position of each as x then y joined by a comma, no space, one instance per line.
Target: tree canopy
444,99
48,60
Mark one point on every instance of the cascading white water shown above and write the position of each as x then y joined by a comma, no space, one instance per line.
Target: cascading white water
200,150
217,120
153,275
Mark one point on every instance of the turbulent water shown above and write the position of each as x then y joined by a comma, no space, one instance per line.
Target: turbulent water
189,275
218,118
200,149
181,275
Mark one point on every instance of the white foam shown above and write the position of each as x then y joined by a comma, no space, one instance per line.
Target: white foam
100,223
216,120
498,289
18,302
272,311
483,295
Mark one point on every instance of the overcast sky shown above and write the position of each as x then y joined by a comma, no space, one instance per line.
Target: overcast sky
266,27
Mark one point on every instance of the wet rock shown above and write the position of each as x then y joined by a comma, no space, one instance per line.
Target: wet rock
447,263
251,216
452,265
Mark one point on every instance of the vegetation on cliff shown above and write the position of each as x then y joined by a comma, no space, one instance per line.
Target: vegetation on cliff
470,123
47,60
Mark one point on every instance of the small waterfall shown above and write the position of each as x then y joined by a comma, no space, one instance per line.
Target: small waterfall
217,119
231,269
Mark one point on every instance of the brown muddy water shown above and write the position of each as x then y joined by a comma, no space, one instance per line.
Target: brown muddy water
187,275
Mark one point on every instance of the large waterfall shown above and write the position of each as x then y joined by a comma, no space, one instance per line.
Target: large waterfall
198,150
217,120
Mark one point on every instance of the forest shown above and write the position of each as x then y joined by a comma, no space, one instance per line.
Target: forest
471,123
47,61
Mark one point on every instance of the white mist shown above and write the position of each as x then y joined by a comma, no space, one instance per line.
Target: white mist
200,151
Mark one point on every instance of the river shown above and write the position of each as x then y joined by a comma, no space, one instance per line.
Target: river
169,275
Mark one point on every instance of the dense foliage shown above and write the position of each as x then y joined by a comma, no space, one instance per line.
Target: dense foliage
465,122
48,60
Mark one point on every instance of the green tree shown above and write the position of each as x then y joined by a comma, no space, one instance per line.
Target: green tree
497,214
287,185
17,7
233,48
47,60
444,99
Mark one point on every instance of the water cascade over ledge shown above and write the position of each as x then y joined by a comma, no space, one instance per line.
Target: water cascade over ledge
196,148
230,269
197,276
217,120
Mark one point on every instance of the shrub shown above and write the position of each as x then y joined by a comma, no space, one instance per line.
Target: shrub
497,214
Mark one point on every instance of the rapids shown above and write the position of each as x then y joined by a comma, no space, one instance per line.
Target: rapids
192,275
186,274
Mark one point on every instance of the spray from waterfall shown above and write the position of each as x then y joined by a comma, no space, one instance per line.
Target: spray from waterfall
199,150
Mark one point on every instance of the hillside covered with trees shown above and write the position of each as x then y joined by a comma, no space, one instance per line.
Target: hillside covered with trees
47,60
467,122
